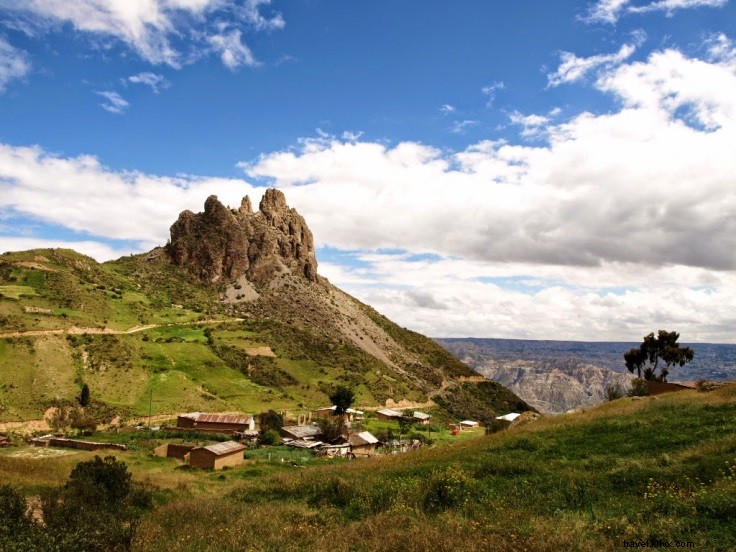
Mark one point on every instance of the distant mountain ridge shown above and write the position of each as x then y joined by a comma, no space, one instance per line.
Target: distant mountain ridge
555,376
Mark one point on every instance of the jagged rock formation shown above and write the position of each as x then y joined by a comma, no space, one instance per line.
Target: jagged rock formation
221,244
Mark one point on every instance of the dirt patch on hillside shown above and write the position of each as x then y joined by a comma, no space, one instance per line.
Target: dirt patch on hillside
260,351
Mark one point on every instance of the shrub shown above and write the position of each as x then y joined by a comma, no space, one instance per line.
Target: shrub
446,489
97,509
494,426
639,388
270,437
614,392
84,396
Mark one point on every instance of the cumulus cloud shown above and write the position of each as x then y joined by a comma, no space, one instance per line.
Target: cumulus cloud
82,194
609,11
533,125
156,82
114,102
650,184
615,222
615,302
14,64
171,32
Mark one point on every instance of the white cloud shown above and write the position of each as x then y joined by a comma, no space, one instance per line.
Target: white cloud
14,64
606,11
573,68
609,11
115,103
670,6
612,302
81,194
532,126
617,224
156,82
233,52
490,90
447,109
461,127
155,29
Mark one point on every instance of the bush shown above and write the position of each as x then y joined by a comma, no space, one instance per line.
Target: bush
494,426
614,392
270,437
13,518
106,484
446,489
639,388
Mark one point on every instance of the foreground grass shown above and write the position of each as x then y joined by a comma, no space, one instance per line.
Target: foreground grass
633,470
655,469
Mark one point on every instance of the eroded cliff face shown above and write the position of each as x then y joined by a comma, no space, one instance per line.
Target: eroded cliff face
221,244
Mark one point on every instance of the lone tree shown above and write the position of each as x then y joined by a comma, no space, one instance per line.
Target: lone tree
662,347
84,397
343,398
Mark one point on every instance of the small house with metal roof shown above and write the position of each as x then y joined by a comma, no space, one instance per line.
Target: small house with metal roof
304,432
363,444
217,456
224,423
388,414
421,417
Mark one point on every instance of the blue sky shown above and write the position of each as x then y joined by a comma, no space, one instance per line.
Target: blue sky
506,169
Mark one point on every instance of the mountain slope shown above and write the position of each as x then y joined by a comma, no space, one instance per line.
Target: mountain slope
230,315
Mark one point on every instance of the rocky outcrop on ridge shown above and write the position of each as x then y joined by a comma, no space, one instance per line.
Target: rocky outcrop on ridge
222,244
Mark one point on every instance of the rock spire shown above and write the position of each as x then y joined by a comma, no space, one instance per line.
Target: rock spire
222,244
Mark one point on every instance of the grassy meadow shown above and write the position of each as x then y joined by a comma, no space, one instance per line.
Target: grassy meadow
656,469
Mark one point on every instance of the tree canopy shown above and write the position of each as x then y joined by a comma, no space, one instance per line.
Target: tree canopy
343,398
663,347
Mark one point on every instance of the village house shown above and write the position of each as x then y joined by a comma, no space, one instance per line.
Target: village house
216,457
363,444
469,424
421,417
305,432
221,423
339,450
388,414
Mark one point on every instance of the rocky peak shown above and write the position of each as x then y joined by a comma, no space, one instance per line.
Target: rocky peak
221,245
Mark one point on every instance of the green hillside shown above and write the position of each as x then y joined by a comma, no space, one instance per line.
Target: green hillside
142,333
657,469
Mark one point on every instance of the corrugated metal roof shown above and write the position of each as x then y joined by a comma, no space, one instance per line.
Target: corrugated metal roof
389,412
304,444
508,417
300,432
421,415
217,418
362,438
228,447
469,423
